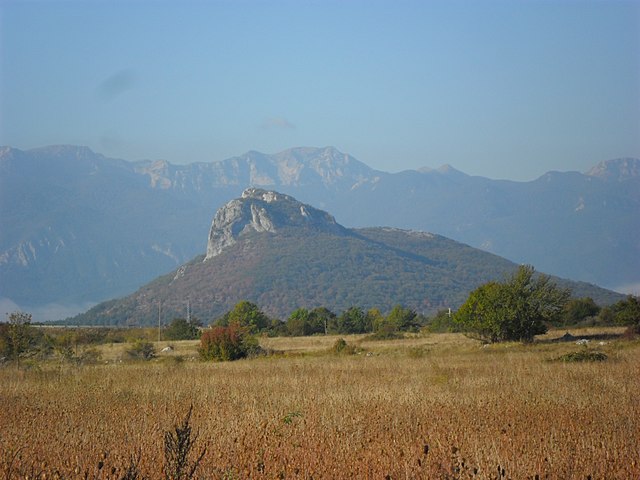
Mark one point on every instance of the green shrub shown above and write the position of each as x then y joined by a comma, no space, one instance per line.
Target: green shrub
86,356
354,320
303,322
181,329
20,340
583,356
343,348
142,349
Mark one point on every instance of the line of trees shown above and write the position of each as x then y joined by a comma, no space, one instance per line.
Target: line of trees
518,309
528,303
321,320
233,335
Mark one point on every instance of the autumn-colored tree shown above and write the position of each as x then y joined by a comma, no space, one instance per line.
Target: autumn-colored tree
247,315
227,343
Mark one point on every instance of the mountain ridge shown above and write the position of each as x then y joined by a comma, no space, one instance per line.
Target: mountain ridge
82,227
620,169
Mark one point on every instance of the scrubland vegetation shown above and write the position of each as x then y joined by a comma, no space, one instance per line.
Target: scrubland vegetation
431,406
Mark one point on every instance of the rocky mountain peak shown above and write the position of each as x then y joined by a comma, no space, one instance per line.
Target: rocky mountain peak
5,150
259,210
617,169
268,196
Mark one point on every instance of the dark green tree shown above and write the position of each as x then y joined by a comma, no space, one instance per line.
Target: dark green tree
277,328
322,320
627,312
376,319
483,312
181,329
399,320
402,319
298,323
515,310
578,309
309,322
353,320
606,316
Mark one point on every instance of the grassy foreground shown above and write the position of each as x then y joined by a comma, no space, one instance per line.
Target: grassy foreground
441,406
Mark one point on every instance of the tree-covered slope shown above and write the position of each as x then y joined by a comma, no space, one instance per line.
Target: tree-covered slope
292,268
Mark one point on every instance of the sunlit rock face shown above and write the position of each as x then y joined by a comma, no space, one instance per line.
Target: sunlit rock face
261,210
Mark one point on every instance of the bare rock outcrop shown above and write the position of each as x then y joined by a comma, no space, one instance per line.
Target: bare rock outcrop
261,210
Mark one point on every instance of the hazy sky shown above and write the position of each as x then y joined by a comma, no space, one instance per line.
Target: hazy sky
505,89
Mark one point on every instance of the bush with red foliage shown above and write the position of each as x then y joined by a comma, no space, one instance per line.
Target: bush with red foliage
226,343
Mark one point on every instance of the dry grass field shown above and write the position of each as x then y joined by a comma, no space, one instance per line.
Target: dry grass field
439,406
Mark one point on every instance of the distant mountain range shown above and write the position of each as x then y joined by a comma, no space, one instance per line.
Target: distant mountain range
271,249
78,228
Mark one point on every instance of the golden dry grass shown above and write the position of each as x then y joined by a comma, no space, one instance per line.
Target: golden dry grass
413,408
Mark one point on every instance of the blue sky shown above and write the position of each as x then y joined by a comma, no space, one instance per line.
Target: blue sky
504,89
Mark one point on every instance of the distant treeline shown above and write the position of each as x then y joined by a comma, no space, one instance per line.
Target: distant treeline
20,339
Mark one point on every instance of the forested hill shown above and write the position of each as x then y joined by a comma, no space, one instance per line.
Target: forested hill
304,259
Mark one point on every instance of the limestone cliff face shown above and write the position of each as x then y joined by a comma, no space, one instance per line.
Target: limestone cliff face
311,168
619,169
264,211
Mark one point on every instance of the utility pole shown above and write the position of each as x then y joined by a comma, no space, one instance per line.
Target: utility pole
159,312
